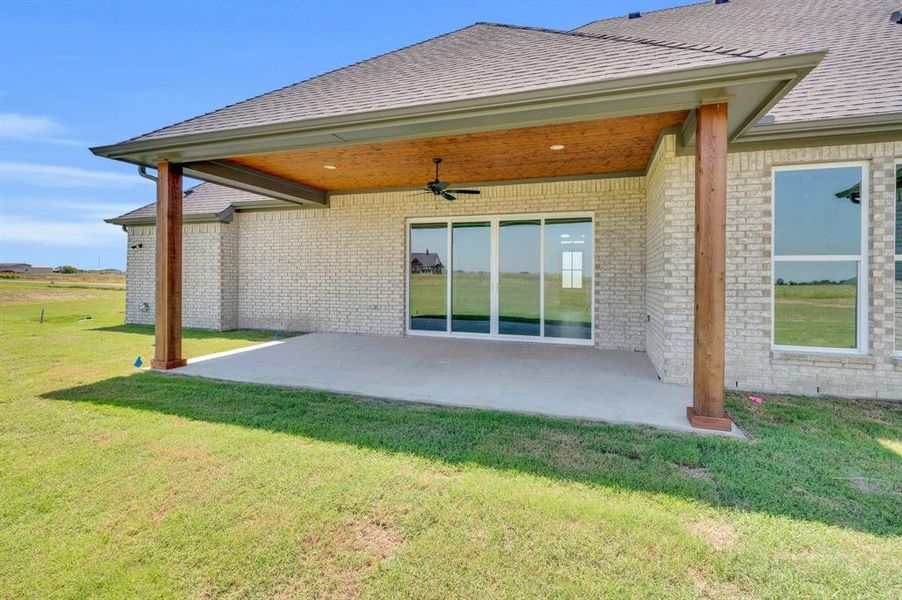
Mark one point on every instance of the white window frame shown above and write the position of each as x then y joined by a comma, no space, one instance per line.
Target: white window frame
494,220
862,260
897,258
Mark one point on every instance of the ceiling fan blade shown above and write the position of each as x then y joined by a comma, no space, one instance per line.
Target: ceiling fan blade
463,191
448,196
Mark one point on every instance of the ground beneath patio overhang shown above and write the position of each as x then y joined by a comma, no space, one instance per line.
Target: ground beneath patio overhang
555,380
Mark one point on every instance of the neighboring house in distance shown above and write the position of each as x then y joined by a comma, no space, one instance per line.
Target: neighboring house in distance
25,269
585,146
426,262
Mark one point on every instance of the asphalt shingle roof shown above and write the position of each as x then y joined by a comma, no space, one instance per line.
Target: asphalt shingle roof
203,199
481,60
860,75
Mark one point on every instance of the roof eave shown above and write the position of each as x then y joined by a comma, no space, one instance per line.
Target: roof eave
224,216
672,90
888,123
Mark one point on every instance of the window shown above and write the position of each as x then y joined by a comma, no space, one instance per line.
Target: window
820,261
572,270
899,256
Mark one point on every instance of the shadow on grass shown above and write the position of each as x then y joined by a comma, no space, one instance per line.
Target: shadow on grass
811,459
251,335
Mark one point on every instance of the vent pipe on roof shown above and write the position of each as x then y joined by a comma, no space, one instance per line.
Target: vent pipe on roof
896,17
634,15
721,1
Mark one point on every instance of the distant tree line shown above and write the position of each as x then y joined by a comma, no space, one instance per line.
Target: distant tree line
781,281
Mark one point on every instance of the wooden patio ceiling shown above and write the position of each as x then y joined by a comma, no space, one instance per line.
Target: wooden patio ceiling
617,145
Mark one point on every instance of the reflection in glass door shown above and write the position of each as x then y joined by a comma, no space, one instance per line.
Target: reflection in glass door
428,280
568,278
471,277
519,277
512,277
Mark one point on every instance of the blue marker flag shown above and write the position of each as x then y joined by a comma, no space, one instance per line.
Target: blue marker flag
138,363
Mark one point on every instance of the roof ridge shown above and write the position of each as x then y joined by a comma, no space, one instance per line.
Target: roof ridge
746,53
285,87
185,193
131,212
647,12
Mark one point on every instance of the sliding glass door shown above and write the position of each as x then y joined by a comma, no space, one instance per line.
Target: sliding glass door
568,278
428,284
471,277
518,277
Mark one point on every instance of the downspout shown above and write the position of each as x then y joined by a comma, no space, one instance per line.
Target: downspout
142,171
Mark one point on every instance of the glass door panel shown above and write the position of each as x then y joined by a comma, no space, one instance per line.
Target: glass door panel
568,278
519,278
428,277
471,277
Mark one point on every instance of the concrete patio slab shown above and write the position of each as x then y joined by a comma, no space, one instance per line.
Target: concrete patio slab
561,381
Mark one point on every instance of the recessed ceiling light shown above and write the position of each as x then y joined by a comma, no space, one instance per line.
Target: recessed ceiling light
556,147
330,167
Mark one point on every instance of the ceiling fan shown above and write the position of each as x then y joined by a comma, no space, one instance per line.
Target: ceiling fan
442,188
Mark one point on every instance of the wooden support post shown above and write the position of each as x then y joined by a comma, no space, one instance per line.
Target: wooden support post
707,410
168,354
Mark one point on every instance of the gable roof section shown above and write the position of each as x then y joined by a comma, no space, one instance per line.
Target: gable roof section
859,77
427,259
204,202
479,61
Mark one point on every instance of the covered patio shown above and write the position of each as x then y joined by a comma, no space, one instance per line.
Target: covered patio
560,381
498,103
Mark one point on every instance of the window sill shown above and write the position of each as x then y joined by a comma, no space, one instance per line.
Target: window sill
814,358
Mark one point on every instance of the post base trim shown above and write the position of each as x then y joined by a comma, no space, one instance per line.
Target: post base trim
705,422
163,365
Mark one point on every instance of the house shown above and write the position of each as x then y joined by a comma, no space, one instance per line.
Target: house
25,269
646,183
424,262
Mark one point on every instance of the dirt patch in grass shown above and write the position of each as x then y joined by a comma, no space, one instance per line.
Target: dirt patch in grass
342,547
700,473
720,536
103,438
706,588
874,485
567,450
30,293
291,590
377,539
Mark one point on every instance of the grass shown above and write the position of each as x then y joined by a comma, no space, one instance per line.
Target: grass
518,293
820,315
76,278
122,484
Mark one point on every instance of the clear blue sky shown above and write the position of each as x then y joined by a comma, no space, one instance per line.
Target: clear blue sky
77,74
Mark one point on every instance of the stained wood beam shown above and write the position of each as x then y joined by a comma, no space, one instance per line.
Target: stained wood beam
254,180
707,410
168,325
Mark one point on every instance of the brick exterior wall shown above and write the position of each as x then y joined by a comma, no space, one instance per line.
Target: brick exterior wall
750,362
203,265
228,275
342,269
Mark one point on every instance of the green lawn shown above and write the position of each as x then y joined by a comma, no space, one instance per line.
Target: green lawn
116,483
821,315
518,292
